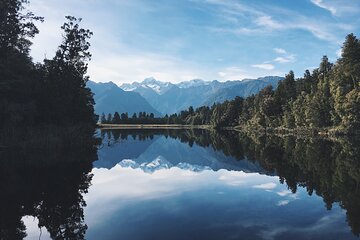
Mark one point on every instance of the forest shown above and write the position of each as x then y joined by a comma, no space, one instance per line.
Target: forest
326,99
43,104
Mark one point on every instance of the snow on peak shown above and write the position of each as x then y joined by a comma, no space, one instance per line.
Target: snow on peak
155,85
160,163
193,83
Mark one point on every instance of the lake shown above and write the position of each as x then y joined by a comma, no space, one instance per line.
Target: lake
184,184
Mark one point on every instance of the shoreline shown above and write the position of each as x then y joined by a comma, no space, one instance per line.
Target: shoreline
152,126
323,133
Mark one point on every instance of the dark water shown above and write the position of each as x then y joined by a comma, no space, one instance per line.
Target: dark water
184,185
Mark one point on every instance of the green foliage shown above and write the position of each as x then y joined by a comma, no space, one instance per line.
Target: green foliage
50,93
327,97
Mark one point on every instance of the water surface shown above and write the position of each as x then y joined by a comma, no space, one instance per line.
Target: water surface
160,184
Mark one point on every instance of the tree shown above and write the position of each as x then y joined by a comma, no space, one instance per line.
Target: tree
124,116
103,118
345,79
350,59
351,119
17,27
116,119
109,118
286,90
67,99
18,83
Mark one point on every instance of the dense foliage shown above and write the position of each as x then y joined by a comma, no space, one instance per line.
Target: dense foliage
49,93
327,98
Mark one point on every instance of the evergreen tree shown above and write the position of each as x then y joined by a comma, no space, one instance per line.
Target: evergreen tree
18,82
103,118
116,119
67,99
350,59
109,118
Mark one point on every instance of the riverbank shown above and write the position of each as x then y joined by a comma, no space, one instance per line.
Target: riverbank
279,131
152,126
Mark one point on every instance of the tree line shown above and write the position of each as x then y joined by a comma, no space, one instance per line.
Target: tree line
51,93
326,98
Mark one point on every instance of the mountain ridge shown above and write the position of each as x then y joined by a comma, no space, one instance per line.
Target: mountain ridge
109,98
170,98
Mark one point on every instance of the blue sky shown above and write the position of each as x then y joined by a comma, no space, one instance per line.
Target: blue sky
178,40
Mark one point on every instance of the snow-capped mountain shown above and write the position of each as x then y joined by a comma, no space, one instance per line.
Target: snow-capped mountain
170,98
160,163
150,84
163,98
158,153
193,83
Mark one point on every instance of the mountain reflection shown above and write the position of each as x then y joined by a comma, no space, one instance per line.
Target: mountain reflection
48,186
215,185
328,168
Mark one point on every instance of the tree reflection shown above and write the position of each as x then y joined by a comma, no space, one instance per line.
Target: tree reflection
328,168
48,186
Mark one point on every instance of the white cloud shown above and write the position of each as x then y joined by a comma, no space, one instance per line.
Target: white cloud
285,59
266,186
265,66
134,66
339,53
284,193
321,4
283,202
269,23
339,8
280,50
285,56
263,21
120,186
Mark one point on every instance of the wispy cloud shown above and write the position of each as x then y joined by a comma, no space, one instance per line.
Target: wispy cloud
338,8
269,23
283,203
266,186
135,67
266,66
321,4
285,59
263,21
280,50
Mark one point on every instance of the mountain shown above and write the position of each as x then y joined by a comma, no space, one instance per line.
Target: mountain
149,84
161,152
170,98
242,88
109,98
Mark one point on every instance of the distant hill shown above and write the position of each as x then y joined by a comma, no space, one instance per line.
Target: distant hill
110,98
170,98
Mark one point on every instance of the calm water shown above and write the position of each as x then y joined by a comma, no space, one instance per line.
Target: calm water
184,185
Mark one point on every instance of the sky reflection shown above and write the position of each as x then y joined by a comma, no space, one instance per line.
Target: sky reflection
131,203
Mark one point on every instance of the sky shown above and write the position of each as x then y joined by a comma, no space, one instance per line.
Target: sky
180,40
